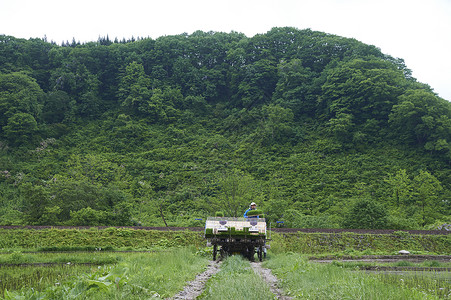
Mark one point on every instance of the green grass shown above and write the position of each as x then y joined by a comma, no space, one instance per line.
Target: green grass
402,263
90,239
354,244
96,258
136,276
434,283
307,280
352,253
236,280
13,276
165,273
37,278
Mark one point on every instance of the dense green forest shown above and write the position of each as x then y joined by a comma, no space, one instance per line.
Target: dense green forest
319,130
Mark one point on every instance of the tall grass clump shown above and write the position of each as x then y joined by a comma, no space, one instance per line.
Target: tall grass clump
95,258
306,280
164,273
236,280
37,278
435,283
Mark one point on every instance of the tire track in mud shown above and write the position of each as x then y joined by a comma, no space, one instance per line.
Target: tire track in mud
194,288
270,279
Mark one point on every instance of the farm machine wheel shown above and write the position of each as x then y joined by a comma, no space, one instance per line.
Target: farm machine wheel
260,253
223,252
215,251
250,253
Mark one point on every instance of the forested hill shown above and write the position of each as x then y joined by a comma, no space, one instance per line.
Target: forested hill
319,130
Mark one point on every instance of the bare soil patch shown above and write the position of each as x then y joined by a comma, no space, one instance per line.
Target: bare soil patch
194,288
270,279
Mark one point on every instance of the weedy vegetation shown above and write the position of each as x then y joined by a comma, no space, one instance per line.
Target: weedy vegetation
136,276
355,244
402,263
36,279
110,238
429,283
306,280
236,280
89,264
95,258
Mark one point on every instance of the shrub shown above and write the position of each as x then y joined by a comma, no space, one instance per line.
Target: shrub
366,213
87,217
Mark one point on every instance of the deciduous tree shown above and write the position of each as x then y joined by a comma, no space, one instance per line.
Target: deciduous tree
19,93
21,129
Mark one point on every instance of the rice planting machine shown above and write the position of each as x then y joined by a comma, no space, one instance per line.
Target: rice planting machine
245,236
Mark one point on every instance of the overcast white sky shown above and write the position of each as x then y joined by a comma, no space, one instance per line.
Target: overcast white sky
419,31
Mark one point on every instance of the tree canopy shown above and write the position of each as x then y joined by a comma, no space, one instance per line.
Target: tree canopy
319,130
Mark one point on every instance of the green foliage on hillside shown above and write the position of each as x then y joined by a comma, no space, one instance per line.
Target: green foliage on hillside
167,131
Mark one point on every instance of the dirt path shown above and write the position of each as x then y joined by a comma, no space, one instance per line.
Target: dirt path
270,279
194,288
